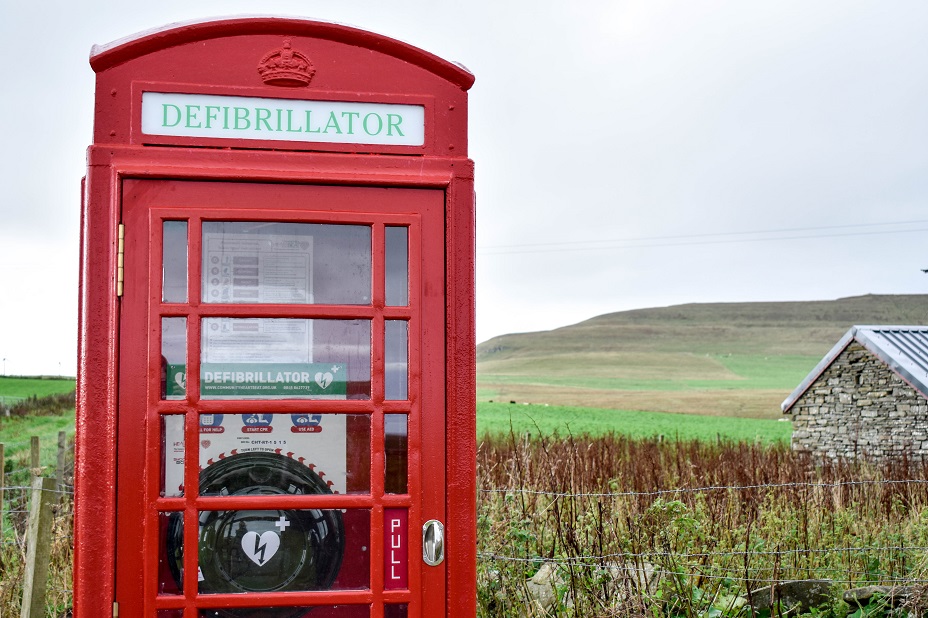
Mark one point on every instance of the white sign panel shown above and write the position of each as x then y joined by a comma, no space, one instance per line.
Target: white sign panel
333,122
317,441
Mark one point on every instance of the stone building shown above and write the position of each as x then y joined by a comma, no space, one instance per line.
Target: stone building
867,398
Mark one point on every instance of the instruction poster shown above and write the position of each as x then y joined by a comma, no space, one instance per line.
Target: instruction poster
257,267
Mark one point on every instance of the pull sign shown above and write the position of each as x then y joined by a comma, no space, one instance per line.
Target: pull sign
433,542
396,549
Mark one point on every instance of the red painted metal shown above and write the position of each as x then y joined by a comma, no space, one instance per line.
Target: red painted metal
116,525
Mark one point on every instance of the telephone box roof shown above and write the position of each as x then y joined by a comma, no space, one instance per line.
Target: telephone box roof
904,349
105,56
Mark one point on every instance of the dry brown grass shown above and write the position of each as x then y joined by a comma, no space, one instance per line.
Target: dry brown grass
763,404
732,518
614,365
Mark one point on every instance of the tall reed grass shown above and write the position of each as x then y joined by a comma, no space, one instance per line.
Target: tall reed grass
630,528
648,527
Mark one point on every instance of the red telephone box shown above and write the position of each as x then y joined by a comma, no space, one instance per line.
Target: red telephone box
276,411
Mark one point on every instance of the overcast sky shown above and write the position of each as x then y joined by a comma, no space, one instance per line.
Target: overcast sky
629,153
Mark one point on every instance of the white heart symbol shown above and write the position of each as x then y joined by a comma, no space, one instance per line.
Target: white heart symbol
324,379
181,379
260,549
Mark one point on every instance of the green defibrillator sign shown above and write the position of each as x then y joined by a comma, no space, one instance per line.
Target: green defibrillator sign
262,381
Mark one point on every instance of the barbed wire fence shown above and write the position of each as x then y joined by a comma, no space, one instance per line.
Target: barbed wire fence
597,561
36,522
614,527
681,549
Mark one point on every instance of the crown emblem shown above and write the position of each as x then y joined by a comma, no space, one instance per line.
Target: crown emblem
286,67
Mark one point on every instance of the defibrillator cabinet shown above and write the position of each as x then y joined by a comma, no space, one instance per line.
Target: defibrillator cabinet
276,410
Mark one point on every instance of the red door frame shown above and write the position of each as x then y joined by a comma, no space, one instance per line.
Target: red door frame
95,512
146,203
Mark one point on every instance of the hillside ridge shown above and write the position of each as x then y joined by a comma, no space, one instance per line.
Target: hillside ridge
782,327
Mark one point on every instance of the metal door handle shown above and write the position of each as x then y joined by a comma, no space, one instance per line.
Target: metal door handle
433,542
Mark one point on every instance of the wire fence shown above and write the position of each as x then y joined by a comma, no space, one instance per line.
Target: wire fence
601,538
583,526
677,515
36,523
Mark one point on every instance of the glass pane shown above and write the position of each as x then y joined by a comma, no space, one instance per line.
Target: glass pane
328,611
173,358
293,263
171,539
174,262
283,550
170,613
396,360
396,444
276,358
396,240
285,453
172,456
396,549
398,610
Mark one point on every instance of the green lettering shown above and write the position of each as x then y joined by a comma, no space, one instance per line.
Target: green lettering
225,117
290,123
262,115
241,119
379,124
332,124
393,122
309,123
177,115
212,113
351,116
192,116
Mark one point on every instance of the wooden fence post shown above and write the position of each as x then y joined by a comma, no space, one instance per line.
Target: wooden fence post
38,548
34,455
59,473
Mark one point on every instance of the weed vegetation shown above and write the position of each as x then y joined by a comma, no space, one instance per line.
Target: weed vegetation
612,525
616,526
44,417
13,553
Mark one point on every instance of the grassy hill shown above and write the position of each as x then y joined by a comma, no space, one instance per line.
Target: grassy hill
717,359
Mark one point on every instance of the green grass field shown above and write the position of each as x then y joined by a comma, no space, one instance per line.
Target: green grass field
16,435
37,387
500,418
16,432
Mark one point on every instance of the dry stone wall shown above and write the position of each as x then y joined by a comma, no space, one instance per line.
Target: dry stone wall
859,407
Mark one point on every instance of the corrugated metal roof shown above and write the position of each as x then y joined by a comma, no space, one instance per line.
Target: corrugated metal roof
904,349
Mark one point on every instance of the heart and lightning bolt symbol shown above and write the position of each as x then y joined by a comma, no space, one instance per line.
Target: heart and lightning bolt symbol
263,547
260,548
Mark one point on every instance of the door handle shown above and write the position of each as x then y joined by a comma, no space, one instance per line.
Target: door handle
433,542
